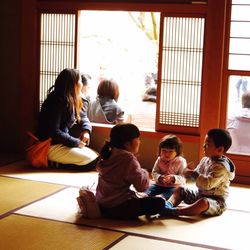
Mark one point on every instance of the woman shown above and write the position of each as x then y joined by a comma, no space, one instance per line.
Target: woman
62,109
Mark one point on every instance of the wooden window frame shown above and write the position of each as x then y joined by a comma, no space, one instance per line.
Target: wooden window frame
63,7
242,162
214,78
212,61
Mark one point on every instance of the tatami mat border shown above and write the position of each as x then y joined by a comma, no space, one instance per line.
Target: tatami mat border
19,178
47,182
238,210
116,241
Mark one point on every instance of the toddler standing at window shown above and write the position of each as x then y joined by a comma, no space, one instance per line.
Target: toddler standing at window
168,167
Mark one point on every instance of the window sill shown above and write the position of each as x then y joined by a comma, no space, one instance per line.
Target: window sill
99,127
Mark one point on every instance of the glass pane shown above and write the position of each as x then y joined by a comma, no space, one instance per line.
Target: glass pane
239,62
240,1
239,50
240,29
238,114
239,46
240,12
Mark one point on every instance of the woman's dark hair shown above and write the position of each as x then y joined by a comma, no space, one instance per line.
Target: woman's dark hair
65,87
108,88
119,135
220,137
172,142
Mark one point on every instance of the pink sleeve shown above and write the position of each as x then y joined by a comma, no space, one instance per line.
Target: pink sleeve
138,176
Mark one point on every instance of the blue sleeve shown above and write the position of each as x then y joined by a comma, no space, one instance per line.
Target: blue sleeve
58,129
85,123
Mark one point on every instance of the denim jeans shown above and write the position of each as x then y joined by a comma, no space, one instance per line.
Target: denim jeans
155,189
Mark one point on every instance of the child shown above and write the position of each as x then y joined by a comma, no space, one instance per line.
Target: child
168,167
105,108
212,175
86,78
118,170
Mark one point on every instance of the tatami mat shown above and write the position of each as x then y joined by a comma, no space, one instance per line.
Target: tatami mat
239,197
136,243
15,193
61,206
58,176
216,232
26,233
44,201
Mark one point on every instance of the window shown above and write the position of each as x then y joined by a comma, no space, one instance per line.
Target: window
238,112
128,51
239,51
215,71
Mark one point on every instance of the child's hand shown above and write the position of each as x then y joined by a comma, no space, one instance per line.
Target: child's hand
187,171
82,144
168,179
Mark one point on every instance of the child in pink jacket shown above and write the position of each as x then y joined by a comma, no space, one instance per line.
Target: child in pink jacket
167,170
118,170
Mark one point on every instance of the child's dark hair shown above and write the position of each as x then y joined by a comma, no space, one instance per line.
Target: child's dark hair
172,142
220,137
245,99
85,78
119,135
108,88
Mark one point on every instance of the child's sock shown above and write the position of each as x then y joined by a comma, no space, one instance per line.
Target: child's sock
168,204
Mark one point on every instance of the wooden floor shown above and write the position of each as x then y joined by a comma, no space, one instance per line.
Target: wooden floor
38,210
143,115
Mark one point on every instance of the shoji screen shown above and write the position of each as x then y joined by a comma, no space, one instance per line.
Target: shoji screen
181,73
57,48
